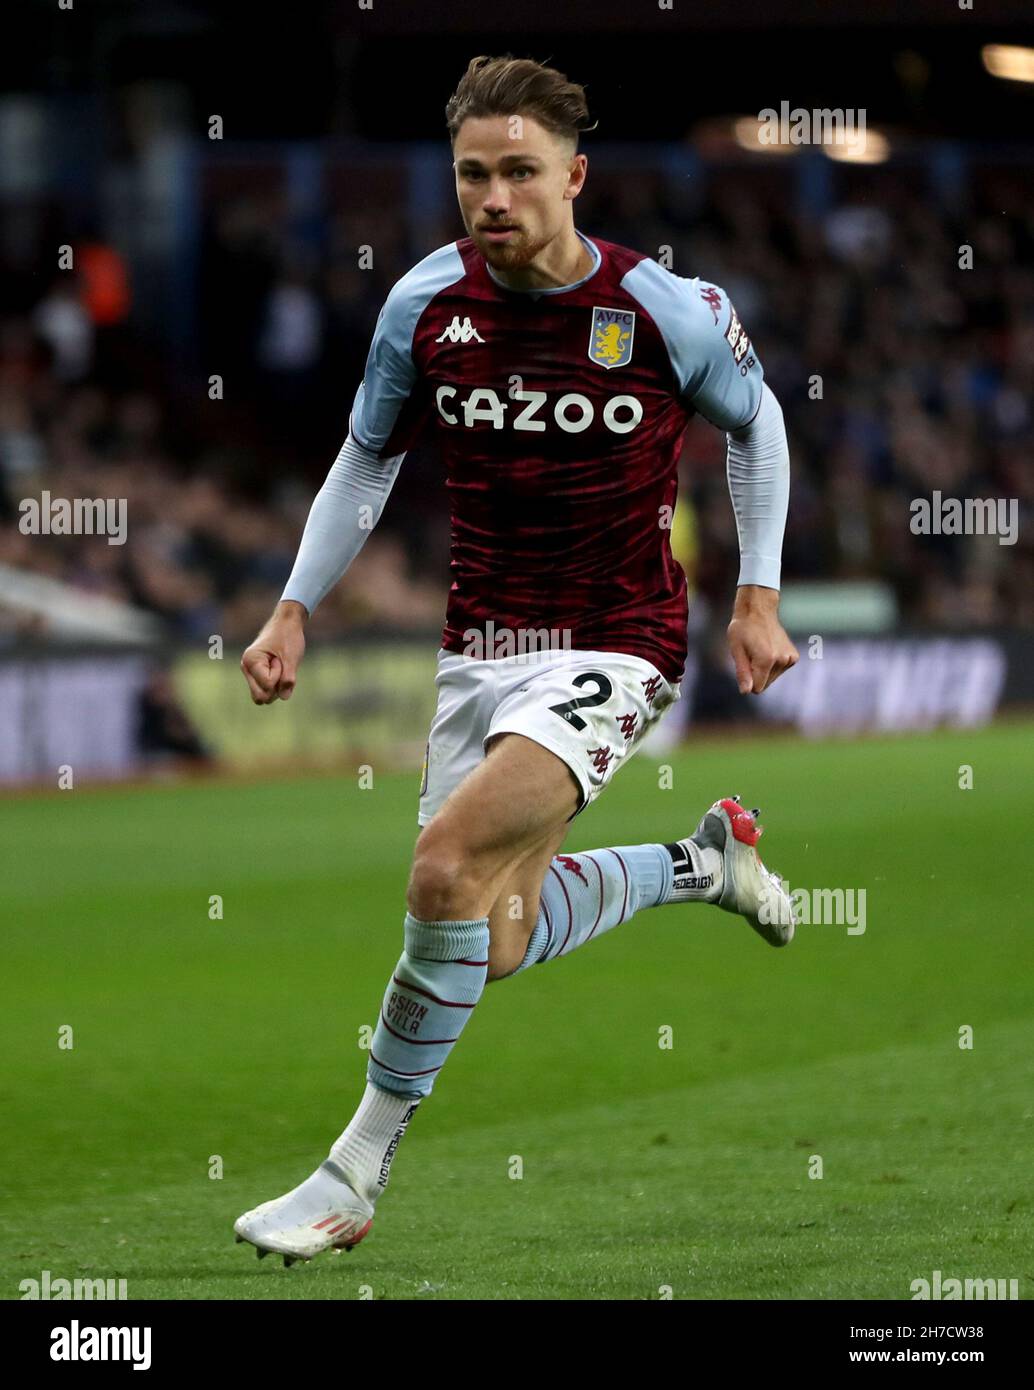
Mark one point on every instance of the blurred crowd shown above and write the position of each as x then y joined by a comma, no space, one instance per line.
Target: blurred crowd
901,369
899,340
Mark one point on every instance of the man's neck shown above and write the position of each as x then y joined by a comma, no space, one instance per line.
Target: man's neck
562,262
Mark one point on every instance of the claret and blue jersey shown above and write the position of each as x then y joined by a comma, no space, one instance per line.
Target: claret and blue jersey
559,414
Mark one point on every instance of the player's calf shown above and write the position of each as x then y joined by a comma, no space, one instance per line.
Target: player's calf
587,894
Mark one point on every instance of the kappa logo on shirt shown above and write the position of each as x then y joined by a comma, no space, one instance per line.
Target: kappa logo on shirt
713,299
457,332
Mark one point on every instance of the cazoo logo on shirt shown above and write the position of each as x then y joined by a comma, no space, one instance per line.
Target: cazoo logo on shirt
571,412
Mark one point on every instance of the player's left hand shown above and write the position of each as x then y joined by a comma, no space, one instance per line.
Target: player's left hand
760,647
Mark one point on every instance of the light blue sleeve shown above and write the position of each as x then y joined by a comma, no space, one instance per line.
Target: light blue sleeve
758,470
716,368
350,502
344,512
391,374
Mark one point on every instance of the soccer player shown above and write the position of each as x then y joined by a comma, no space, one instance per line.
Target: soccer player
558,373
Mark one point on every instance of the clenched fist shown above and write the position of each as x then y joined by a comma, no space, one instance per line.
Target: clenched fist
270,664
759,645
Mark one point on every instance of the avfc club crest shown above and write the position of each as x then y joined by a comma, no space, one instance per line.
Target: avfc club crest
610,338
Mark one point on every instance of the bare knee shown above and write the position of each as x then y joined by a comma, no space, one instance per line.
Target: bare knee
442,887
442,890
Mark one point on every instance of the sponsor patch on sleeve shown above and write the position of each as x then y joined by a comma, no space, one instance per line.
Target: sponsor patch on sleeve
736,336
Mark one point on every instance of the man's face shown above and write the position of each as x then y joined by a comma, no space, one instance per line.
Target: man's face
515,176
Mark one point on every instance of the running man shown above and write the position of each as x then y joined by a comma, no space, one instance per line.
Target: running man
558,373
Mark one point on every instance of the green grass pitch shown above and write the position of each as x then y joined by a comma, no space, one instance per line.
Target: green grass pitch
645,1168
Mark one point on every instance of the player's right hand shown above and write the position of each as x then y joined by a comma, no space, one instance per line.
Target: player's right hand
270,664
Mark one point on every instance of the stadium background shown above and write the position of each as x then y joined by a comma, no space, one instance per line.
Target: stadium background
239,258
242,258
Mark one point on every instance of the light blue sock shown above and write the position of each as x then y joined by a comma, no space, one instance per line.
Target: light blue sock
584,895
439,978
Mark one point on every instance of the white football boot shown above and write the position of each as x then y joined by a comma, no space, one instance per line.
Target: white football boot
748,888
322,1213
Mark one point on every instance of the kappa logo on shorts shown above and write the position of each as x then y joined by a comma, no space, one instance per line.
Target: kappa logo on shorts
600,758
650,688
627,723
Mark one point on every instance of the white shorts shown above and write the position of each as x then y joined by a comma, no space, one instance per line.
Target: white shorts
589,708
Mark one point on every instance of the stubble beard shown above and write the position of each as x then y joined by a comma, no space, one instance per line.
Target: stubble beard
515,254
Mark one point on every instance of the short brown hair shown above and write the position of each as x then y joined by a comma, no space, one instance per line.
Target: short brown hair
510,86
